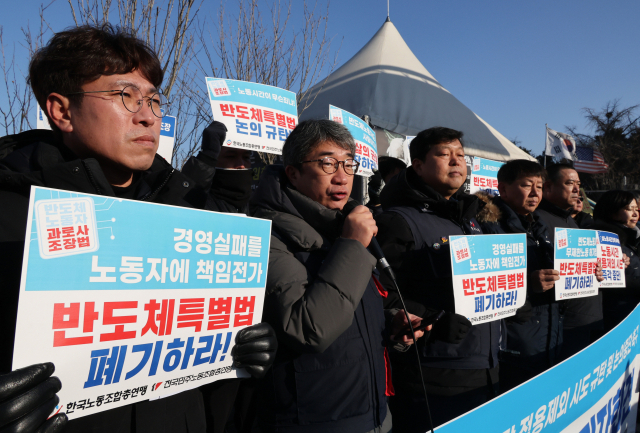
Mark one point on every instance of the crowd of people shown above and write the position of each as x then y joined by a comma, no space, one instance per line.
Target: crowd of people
333,352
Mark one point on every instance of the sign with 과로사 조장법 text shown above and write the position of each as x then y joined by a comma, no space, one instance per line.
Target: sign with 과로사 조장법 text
132,300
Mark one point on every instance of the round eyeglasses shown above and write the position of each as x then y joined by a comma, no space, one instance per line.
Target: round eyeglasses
330,165
132,99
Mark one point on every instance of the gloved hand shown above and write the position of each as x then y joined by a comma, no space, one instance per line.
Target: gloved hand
523,314
27,398
451,328
212,140
255,349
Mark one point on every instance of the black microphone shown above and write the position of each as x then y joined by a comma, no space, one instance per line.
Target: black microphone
374,246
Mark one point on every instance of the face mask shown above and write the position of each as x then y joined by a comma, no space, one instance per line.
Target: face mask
233,186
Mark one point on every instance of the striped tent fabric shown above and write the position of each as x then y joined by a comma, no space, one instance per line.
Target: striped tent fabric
589,161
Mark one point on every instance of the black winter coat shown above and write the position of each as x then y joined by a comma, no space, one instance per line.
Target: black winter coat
414,233
329,374
585,313
538,340
38,158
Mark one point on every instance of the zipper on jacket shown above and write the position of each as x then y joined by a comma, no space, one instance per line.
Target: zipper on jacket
157,190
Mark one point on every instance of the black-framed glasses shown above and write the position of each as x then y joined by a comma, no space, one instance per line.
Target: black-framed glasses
132,99
330,165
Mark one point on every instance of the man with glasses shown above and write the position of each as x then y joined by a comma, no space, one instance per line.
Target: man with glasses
99,88
330,373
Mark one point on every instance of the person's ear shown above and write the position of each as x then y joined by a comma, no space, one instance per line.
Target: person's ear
59,112
293,174
501,188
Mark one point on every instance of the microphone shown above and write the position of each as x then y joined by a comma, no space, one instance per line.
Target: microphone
374,246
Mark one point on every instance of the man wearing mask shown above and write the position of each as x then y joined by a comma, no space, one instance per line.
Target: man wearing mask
534,334
424,206
561,191
225,172
99,87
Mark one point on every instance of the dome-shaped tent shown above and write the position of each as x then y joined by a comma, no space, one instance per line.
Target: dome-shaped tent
387,82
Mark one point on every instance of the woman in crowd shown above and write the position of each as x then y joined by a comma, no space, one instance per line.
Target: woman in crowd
617,212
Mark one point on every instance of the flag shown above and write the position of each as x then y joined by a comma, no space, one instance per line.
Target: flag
560,145
589,161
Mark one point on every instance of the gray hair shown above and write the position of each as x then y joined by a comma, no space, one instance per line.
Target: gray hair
309,134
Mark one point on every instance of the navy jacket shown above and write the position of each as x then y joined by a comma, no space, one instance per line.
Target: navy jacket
413,232
535,344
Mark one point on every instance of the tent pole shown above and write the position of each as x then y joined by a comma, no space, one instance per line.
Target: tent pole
545,145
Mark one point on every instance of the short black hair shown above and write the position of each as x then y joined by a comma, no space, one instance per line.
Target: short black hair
513,170
308,134
554,170
611,202
425,140
388,164
80,55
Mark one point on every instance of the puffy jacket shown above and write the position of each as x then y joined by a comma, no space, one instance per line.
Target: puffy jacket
535,344
38,158
619,302
414,234
582,312
329,374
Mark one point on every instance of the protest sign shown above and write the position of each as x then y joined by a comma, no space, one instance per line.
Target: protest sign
489,275
167,137
484,176
611,259
132,300
594,391
364,136
257,116
575,257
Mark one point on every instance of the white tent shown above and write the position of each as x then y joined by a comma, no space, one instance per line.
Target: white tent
387,82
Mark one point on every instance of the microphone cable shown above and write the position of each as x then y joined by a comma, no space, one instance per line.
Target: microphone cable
387,269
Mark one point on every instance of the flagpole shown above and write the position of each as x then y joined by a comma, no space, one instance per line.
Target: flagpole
546,132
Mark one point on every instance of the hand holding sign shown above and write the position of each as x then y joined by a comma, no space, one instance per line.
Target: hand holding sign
544,279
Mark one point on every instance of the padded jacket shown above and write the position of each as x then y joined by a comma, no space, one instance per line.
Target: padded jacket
322,301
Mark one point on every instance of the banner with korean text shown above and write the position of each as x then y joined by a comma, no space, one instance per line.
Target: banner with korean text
575,257
484,176
594,391
489,275
611,259
364,136
133,301
257,116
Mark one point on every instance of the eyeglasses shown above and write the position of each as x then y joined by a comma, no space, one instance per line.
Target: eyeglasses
132,99
330,165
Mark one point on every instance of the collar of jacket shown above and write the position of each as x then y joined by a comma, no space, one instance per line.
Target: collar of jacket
38,158
295,216
546,205
407,189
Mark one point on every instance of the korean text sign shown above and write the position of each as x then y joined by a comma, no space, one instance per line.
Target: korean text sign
611,259
133,300
364,136
594,391
484,176
257,116
489,275
575,257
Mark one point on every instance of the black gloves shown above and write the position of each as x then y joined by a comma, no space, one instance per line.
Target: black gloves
27,398
212,140
523,314
255,349
451,328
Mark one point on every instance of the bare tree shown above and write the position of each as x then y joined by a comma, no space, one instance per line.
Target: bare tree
267,51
